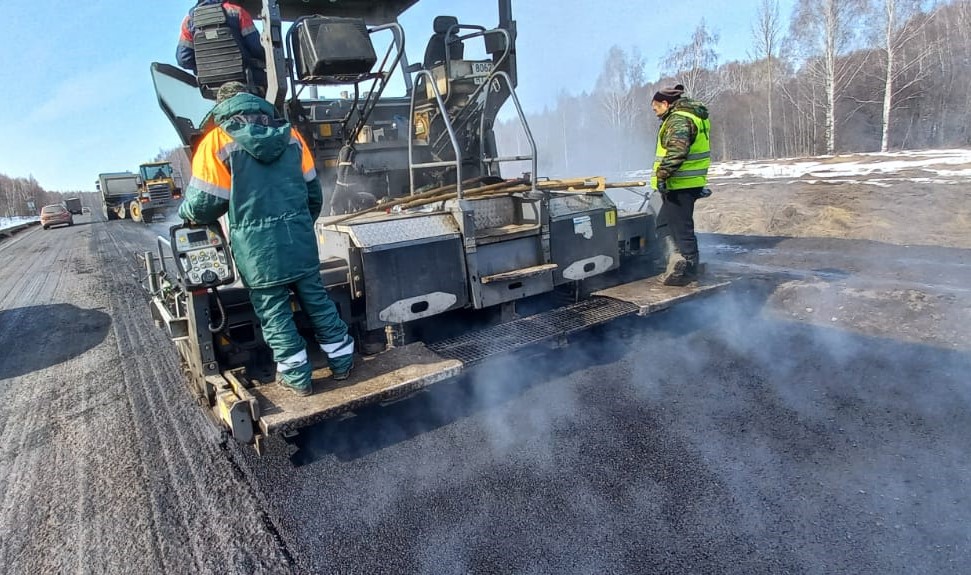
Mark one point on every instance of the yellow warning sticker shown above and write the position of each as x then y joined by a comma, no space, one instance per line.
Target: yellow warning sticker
611,216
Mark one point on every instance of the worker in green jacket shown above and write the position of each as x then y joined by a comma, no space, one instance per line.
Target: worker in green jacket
255,168
680,174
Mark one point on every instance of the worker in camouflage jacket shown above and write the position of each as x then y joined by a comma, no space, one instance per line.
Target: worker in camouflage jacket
255,168
680,173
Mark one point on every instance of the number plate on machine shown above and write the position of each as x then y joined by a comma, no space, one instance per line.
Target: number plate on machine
481,71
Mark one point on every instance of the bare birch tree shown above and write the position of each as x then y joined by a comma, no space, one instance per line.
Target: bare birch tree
622,73
617,86
692,63
824,30
900,22
765,33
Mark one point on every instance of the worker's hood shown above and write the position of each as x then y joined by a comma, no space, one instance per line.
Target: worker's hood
253,124
693,107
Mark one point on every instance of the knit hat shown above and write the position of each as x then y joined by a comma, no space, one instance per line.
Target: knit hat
669,95
230,89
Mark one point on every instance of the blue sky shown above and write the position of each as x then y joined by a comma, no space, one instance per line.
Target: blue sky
79,100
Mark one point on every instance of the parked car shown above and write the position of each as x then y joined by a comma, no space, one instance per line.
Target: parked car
55,215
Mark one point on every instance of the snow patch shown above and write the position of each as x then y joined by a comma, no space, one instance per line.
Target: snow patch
830,169
16,221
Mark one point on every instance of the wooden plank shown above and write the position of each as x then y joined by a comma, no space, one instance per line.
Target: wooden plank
650,295
379,378
518,274
504,231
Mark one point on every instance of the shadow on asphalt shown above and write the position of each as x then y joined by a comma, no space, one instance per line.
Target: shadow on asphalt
501,380
38,337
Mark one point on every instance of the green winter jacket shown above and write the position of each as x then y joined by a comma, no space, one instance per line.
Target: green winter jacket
257,170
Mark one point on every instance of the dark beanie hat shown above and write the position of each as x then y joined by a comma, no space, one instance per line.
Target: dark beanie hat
669,95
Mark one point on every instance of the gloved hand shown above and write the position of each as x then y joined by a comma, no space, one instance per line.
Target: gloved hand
662,188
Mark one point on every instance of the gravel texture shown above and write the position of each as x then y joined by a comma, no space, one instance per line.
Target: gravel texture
106,465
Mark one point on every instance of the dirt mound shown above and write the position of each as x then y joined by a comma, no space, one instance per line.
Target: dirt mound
904,209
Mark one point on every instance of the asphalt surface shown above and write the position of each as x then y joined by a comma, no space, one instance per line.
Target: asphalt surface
105,466
789,425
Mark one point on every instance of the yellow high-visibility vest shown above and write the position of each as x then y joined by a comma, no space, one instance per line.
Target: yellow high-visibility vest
693,173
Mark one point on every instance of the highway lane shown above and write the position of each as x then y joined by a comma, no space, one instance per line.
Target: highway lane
742,434
106,466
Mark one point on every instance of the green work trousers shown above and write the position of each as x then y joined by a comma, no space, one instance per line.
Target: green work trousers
272,306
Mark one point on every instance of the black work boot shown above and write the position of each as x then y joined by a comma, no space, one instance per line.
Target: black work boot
695,269
674,275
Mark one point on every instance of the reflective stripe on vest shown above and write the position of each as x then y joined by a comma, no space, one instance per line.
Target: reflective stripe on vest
693,173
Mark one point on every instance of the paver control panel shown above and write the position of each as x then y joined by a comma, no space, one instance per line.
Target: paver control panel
202,256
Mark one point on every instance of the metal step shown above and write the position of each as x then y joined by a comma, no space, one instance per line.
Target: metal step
474,347
650,295
374,379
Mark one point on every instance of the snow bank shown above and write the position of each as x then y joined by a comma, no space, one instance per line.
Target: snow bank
930,161
949,164
15,221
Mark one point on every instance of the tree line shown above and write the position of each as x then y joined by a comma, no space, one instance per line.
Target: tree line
25,196
834,76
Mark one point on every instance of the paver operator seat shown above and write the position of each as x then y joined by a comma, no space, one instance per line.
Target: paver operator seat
435,51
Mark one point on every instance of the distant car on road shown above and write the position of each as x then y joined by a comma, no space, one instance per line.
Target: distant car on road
55,215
